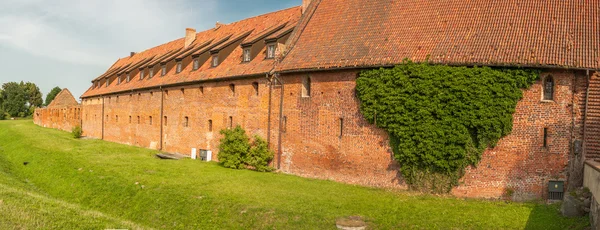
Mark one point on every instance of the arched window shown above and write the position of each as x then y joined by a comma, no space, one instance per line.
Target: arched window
548,88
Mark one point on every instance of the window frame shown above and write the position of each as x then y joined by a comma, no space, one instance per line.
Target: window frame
196,63
271,50
548,96
163,70
215,61
179,67
247,55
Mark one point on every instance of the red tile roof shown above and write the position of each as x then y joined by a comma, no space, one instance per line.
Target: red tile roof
232,66
363,33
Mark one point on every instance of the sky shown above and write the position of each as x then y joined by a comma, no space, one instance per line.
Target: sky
67,43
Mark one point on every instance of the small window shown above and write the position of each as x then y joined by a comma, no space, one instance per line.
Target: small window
247,55
151,74
196,63
128,77
232,88
545,137
116,118
107,82
306,87
163,70
210,128
151,93
271,51
201,90
284,124
138,119
182,91
186,122
215,61
150,120
129,119
341,127
165,121
230,123
141,74
549,88
255,86
118,80
179,66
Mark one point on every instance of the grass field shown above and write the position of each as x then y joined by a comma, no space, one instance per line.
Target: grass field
92,184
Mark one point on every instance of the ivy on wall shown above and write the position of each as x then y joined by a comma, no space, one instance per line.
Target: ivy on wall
440,119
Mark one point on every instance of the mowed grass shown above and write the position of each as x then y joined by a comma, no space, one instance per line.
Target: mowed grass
92,184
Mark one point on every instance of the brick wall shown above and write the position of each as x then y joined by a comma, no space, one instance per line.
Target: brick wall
315,145
58,117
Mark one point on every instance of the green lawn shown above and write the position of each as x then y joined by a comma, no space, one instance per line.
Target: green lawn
92,184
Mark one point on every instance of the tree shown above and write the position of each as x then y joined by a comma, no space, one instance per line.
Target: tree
15,99
50,96
35,96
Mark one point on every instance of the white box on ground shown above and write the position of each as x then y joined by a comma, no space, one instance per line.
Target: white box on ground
194,153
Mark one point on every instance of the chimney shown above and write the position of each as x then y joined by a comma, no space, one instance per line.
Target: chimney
131,54
190,36
305,4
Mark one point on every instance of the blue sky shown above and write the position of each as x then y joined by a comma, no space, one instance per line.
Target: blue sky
67,43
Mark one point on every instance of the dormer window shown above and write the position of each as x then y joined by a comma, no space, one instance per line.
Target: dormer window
128,77
196,63
151,74
107,82
141,74
98,84
163,70
247,55
118,80
271,51
179,66
215,61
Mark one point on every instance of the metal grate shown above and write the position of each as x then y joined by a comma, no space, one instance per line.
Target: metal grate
555,195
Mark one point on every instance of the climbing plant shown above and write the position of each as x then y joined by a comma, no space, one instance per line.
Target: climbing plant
440,118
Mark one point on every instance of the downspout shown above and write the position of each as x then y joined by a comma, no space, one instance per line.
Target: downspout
161,117
276,77
587,96
102,118
269,111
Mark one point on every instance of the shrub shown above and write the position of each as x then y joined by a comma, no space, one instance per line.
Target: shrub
3,115
260,155
233,148
76,131
440,119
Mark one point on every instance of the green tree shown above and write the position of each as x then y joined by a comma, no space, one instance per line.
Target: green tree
34,94
52,94
15,99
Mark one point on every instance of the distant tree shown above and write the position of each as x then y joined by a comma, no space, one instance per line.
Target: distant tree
15,98
50,96
35,96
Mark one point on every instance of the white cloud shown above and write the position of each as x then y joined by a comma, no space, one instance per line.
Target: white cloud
95,32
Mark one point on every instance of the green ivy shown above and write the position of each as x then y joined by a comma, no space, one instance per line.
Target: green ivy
440,119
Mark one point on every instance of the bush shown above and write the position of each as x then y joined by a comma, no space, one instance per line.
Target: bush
260,155
233,148
76,131
3,115
441,118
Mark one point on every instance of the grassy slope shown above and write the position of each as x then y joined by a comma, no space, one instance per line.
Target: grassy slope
127,182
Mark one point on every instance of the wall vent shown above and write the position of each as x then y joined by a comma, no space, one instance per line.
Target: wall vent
556,190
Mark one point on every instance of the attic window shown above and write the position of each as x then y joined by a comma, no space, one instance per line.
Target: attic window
118,80
255,86
271,51
128,77
151,74
179,66
215,61
163,70
107,82
246,54
196,63
141,74
232,88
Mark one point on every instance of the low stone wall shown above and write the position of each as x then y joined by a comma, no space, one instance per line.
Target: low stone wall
591,180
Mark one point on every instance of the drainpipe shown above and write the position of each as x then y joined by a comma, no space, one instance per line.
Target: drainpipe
162,93
269,111
102,117
587,96
276,77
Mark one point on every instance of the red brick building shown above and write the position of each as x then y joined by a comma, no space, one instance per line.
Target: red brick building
289,76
